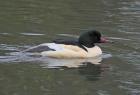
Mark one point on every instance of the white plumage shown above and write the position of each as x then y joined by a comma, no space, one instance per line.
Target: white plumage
70,51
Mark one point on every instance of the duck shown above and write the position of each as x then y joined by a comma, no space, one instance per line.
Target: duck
83,47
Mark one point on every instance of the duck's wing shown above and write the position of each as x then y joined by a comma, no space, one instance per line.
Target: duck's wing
66,41
39,48
52,46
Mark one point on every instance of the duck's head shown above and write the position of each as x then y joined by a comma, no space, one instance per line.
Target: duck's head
89,38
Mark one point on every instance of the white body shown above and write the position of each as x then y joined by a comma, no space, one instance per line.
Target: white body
70,51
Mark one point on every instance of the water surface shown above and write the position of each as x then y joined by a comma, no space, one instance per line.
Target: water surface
25,23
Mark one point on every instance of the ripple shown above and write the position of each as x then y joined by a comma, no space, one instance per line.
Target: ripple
102,92
129,83
134,33
133,91
129,8
117,38
130,57
8,47
105,55
4,33
68,35
32,34
137,3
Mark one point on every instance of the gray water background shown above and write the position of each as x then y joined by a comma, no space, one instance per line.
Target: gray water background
25,23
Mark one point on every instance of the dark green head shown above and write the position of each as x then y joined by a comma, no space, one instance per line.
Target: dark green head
89,38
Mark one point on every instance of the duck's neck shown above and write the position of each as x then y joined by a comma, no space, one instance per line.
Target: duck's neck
84,47
87,44
81,46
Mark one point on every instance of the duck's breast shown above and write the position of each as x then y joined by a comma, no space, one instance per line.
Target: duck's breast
93,52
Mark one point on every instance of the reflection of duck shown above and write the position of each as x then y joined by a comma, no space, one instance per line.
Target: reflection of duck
89,68
84,47
74,63
90,71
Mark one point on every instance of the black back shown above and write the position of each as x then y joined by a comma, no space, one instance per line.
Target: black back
66,41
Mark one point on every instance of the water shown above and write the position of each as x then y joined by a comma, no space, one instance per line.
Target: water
25,23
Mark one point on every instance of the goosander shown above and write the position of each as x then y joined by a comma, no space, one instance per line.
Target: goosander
83,47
